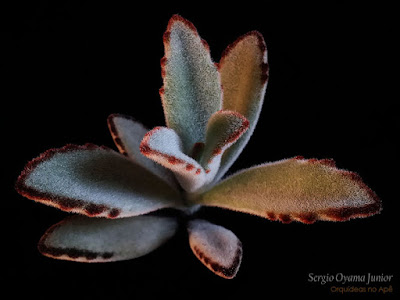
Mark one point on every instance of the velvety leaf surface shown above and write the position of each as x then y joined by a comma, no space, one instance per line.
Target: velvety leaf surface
244,74
95,181
84,239
164,146
295,189
127,135
216,247
192,86
223,129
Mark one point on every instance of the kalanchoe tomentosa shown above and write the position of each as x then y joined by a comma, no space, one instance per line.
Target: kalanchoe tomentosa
211,110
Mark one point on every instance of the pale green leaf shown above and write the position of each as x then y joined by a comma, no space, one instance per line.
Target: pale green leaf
216,247
295,189
223,129
164,146
84,239
192,86
127,134
244,75
95,181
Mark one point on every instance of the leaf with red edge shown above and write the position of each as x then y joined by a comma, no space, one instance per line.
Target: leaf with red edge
83,239
127,134
244,75
295,189
95,181
223,129
164,146
216,247
192,87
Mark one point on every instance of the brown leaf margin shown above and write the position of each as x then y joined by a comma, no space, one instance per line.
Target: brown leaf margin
63,203
333,214
73,254
114,131
261,45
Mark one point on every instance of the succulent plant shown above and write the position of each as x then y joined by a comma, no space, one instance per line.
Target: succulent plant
211,110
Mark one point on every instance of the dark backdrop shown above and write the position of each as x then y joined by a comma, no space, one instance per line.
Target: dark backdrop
68,66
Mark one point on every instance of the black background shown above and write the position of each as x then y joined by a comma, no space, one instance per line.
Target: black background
68,66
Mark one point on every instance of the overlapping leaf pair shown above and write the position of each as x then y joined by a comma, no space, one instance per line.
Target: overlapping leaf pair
211,111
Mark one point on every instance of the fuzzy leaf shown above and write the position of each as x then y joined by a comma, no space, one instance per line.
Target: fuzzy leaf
216,247
164,146
295,189
127,135
83,239
192,86
95,181
244,75
223,129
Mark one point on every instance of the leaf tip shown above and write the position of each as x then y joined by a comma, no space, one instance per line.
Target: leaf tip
225,272
256,38
178,18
